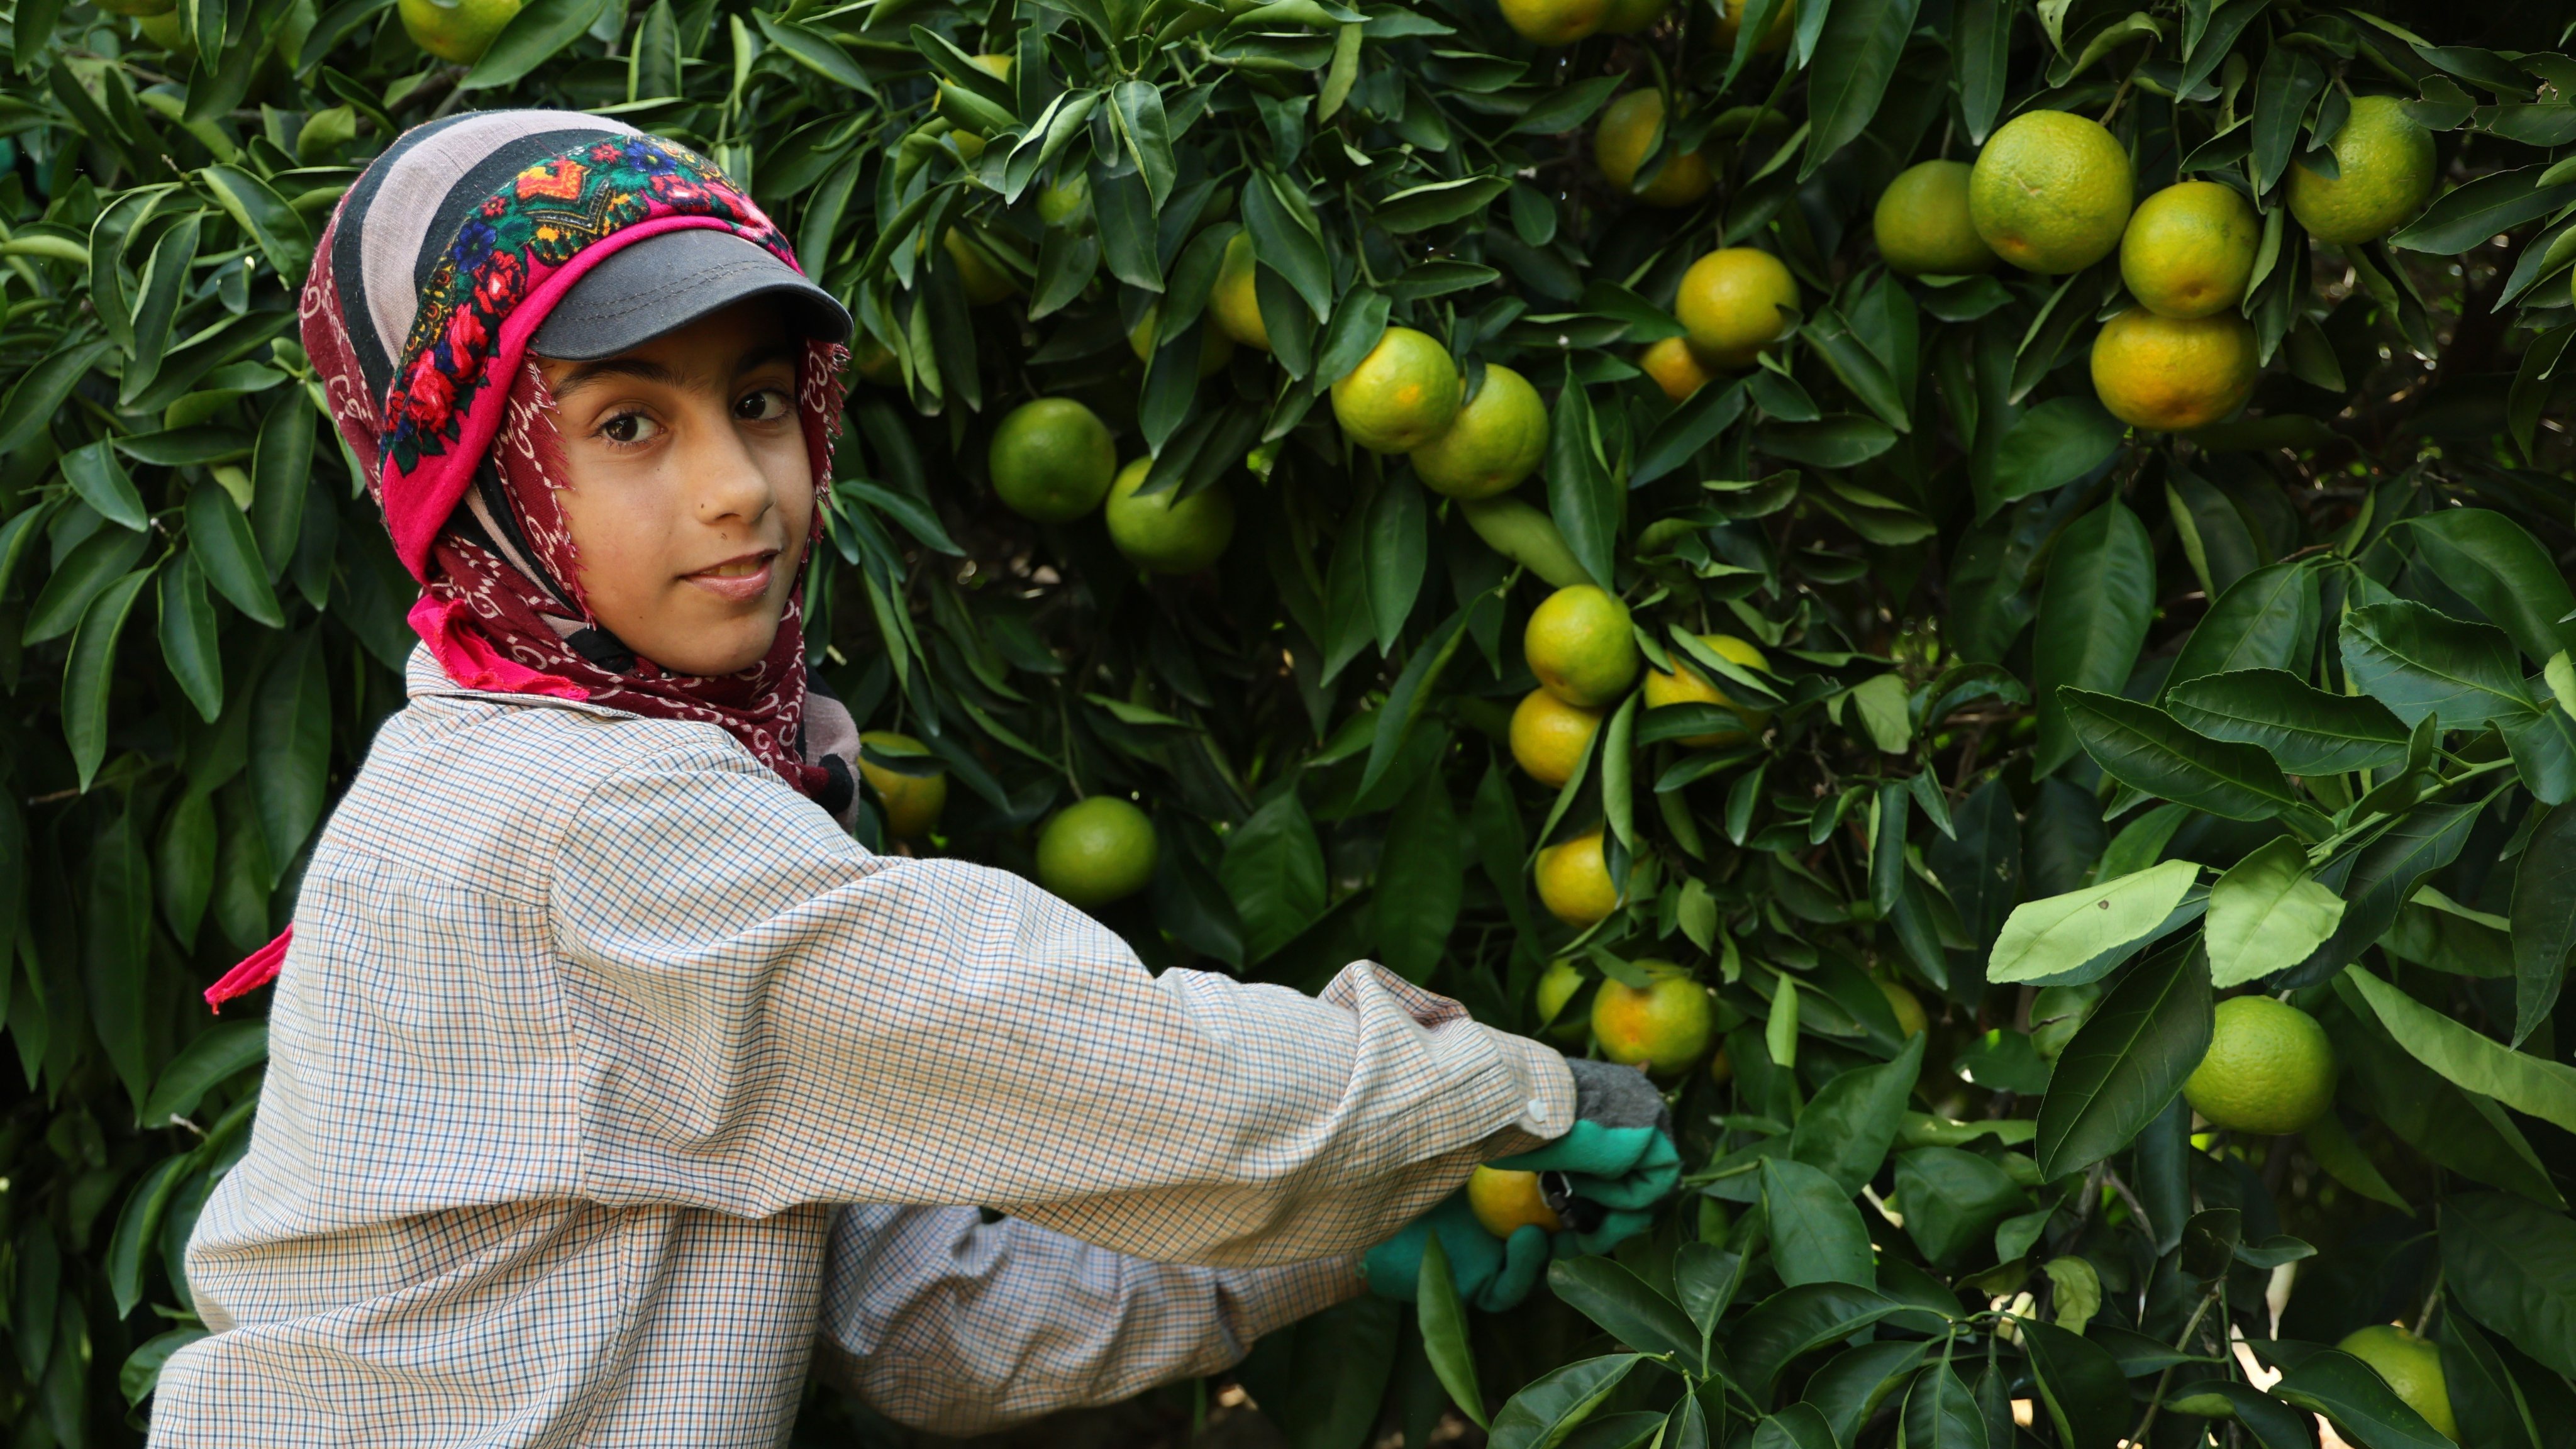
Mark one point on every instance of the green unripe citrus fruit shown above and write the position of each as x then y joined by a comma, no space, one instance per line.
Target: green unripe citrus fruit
1052,460
2189,250
2384,166
2269,1068
456,30
1664,1027
1234,301
1496,440
2413,1368
1734,302
1401,396
1097,851
2051,192
1581,646
1557,985
1161,536
1922,226
912,802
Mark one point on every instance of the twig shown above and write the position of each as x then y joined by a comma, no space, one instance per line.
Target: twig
2432,1300
2165,1379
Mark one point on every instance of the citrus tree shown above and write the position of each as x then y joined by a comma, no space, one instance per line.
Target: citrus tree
1977,587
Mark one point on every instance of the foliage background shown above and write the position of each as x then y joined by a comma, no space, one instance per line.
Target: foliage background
1919,512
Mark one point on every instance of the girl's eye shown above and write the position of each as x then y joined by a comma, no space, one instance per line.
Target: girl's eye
768,405
628,429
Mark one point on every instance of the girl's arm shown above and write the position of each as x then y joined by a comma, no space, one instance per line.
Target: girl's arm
769,1015
941,1321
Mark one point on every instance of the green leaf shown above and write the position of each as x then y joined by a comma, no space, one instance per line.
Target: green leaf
2052,445
1952,1199
2093,614
2049,937
218,1055
2126,1062
2493,563
2485,207
2420,662
1852,1387
1398,551
1420,208
1564,109
290,752
279,229
98,478
1816,1234
2474,1062
2544,918
1284,240
1583,499
86,572
1554,1406
2358,1400
1443,1320
39,393
2511,1265
1845,1132
138,1230
1940,1413
2080,1383
2265,620
220,539
2267,914
1856,57
116,955
1274,871
2381,876
141,1373
1421,879
1628,1310
2309,731
281,474
814,49
188,642
2142,746
2489,1404
90,673
1796,1321
2462,1131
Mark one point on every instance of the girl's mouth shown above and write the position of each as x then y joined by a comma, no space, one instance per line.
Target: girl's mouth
739,579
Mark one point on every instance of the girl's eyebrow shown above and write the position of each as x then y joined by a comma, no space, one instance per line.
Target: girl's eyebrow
649,370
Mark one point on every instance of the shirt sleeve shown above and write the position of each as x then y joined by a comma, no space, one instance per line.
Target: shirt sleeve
768,1015
943,1322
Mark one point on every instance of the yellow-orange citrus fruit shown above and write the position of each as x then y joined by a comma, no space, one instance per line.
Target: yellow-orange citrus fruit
1506,1201
1689,684
912,802
1627,17
2051,192
1549,737
2269,1068
1735,302
1574,880
1401,396
1555,22
1922,225
1096,851
2189,250
1052,460
1215,348
1557,986
2384,165
1627,132
983,280
2171,374
1233,302
1730,23
2412,1368
1581,645
1663,1027
1910,1020
456,30
1161,536
1498,438
1675,368
1721,1067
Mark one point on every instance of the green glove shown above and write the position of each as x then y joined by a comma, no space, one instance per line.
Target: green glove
1491,1273
1620,1152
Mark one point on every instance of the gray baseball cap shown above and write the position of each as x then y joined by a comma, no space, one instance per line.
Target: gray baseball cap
670,280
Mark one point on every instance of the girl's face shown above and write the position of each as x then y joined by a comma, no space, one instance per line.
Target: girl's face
691,494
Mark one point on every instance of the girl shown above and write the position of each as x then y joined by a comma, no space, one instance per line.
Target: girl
594,1024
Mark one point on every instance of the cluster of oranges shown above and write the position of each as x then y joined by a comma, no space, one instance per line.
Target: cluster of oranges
1407,397
2051,193
1052,460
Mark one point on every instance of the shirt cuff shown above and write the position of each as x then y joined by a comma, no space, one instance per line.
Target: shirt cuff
1548,1112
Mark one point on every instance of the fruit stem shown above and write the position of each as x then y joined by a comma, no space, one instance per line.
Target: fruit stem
2432,1300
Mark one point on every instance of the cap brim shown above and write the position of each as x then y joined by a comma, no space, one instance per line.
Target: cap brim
667,281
